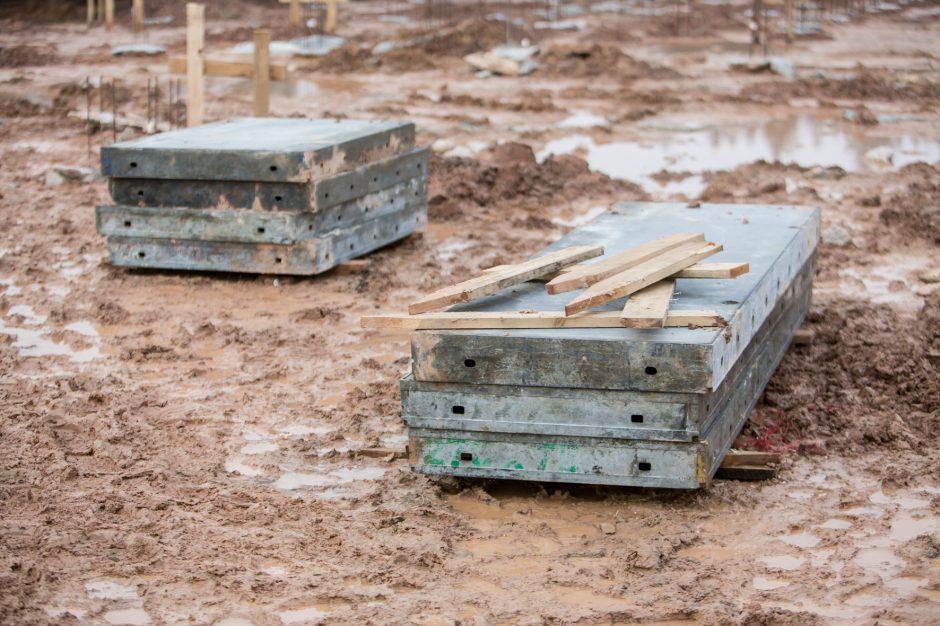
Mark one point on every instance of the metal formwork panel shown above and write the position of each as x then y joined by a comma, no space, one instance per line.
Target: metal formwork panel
304,257
605,459
247,225
776,240
595,412
258,150
320,195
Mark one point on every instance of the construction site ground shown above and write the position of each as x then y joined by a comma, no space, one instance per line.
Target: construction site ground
196,448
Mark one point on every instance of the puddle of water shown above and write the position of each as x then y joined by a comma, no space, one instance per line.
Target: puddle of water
259,447
582,119
30,318
109,590
234,465
289,481
234,621
879,560
33,342
836,524
802,139
299,430
783,562
905,526
128,617
301,616
801,540
762,583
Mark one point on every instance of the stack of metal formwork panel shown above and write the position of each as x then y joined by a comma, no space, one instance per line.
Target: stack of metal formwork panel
621,406
280,196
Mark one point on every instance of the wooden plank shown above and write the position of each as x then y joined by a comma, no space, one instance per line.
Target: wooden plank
137,14
109,14
495,281
452,320
804,337
262,72
195,41
642,275
748,465
582,276
714,270
330,25
648,307
295,12
223,67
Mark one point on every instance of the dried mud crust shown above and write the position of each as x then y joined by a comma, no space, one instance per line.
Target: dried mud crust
510,176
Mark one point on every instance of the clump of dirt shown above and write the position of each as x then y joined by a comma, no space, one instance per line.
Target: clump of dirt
868,379
758,182
865,85
28,55
584,59
510,176
419,49
915,212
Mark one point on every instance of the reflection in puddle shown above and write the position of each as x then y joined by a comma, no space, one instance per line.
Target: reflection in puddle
803,140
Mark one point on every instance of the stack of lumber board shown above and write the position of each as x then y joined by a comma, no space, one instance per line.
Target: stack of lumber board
597,402
278,196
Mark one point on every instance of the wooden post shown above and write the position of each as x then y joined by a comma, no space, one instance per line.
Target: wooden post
295,12
789,12
262,72
331,16
138,15
109,14
90,12
195,40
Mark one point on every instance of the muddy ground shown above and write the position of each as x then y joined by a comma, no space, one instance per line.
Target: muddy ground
198,448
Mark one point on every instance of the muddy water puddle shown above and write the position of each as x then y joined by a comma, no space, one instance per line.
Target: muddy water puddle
687,149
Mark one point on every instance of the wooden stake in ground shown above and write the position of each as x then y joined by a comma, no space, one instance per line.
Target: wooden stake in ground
330,16
109,14
295,12
195,40
789,12
137,13
262,72
642,275
478,320
648,308
491,282
90,11
582,276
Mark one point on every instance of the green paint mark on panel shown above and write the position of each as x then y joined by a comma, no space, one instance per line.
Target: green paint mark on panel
571,469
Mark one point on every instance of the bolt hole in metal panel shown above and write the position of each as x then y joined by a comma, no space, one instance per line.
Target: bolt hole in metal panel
529,417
